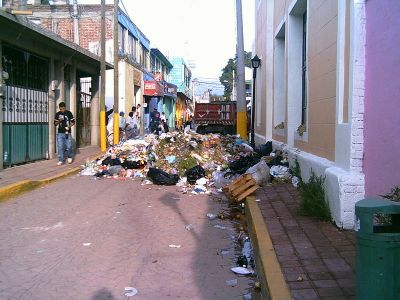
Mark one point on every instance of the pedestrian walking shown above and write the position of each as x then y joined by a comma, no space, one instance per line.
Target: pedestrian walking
64,120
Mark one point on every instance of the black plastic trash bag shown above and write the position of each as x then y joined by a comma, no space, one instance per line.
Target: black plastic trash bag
265,150
158,176
110,161
241,165
195,173
130,164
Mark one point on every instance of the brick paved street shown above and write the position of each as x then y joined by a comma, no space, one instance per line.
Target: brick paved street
317,259
45,251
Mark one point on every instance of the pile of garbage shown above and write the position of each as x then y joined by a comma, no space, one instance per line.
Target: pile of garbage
190,160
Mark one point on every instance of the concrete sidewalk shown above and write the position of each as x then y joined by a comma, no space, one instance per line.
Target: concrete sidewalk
20,178
316,259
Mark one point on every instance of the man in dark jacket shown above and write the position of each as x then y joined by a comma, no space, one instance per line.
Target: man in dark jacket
155,119
64,120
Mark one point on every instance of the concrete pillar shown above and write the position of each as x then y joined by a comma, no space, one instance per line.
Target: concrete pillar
73,99
52,110
1,108
95,112
61,85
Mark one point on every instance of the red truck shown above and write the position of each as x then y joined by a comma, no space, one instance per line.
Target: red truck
215,117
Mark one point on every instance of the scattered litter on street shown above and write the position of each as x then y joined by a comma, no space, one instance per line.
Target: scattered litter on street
220,226
224,252
130,291
242,261
189,227
222,166
211,216
86,244
232,282
247,296
295,181
241,271
195,163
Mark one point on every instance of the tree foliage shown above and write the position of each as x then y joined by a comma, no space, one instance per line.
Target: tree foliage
226,77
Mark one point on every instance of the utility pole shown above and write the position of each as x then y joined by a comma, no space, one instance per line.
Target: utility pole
116,96
234,96
103,135
241,122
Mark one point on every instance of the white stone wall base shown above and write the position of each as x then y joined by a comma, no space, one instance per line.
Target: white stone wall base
342,188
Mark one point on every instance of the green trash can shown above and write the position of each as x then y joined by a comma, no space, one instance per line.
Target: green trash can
378,249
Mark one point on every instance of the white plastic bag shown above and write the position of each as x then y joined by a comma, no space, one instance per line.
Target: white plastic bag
260,172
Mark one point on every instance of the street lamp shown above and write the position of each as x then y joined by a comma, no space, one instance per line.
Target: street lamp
255,63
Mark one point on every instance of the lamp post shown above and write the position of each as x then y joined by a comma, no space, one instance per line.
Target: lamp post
255,63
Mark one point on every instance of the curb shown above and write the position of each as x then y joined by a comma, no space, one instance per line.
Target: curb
24,186
273,283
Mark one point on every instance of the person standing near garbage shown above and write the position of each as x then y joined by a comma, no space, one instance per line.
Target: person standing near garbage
64,119
131,126
122,126
138,116
155,120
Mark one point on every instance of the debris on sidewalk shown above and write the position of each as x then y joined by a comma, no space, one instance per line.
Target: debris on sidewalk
174,246
130,291
196,164
241,271
211,216
242,187
232,282
189,227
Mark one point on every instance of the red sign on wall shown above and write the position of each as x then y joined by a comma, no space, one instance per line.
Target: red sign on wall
153,88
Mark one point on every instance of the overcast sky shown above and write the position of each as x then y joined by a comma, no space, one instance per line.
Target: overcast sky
202,31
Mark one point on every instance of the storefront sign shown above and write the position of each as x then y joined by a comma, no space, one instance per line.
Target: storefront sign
153,88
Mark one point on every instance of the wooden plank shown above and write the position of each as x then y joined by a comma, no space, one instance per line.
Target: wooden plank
239,181
236,185
244,187
248,193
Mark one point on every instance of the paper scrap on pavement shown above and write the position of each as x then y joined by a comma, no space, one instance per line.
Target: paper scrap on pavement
231,282
174,246
130,291
241,271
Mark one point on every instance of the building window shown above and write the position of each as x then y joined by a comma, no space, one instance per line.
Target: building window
153,64
304,72
279,79
297,81
121,39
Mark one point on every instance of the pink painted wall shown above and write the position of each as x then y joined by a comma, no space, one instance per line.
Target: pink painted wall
382,97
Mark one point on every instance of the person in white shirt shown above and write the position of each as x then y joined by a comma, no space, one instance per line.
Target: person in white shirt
131,125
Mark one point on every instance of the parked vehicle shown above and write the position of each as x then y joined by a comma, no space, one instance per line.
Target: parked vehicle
215,117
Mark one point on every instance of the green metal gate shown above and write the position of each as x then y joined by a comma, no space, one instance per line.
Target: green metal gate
25,107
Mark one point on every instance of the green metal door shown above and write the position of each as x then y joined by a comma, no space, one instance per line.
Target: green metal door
25,107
